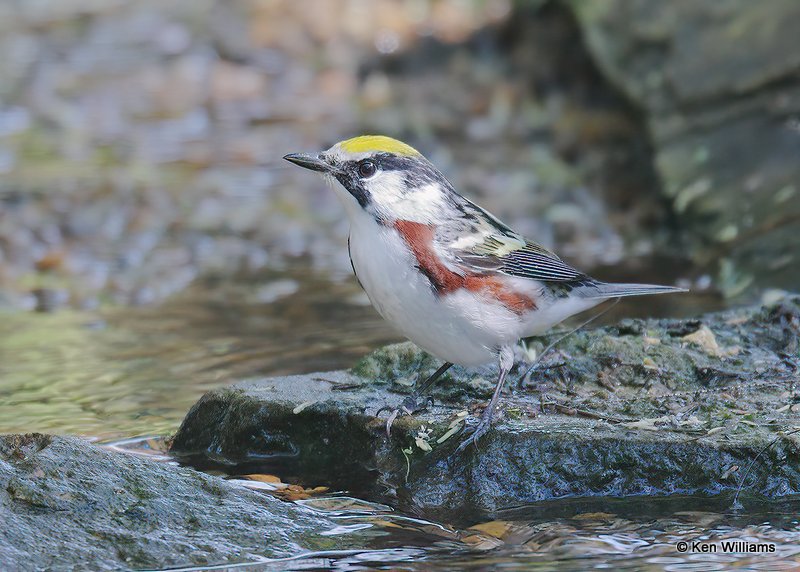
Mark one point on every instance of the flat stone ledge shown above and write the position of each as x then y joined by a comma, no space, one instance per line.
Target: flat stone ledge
642,407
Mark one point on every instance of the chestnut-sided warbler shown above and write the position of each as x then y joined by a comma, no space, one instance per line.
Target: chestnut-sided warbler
448,275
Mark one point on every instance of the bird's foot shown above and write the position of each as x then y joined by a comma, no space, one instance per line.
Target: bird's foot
413,403
483,426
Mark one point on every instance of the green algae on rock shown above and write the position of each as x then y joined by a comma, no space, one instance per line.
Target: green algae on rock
641,407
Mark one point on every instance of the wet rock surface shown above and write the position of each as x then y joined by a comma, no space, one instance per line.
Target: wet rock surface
717,85
69,505
641,407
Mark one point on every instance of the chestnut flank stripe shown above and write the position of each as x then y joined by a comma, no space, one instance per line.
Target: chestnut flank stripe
419,238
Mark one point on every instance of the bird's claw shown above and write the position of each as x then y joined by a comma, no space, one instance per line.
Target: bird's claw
410,405
483,426
414,404
392,416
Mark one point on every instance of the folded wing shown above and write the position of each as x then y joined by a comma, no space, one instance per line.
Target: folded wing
514,256
497,249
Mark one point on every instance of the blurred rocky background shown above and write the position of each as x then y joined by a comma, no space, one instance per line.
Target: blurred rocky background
140,142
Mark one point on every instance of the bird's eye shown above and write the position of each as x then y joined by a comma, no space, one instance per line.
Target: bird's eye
366,169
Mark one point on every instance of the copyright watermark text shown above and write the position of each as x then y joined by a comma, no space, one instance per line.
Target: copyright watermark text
725,547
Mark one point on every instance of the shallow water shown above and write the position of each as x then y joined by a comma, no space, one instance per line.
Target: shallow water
119,373
635,533
138,371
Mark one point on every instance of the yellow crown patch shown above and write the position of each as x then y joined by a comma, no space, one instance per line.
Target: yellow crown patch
377,144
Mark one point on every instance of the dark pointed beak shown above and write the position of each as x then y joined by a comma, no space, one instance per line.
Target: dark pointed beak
309,161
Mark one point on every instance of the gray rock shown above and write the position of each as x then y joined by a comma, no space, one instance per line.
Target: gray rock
717,85
643,407
66,504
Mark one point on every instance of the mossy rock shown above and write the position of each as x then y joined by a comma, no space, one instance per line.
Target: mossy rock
641,407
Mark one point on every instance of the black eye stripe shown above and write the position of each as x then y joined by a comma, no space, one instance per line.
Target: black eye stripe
352,183
416,171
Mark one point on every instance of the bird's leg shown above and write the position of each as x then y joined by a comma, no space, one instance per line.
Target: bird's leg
411,404
506,363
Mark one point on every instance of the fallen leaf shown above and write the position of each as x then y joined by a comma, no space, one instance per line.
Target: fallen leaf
302,406
293,495
259,485
157,445
705,339
480,542
297,492
423,444
460,416
263,478
496,528
450,432
648,363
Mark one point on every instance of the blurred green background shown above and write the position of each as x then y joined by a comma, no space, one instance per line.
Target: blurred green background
140,147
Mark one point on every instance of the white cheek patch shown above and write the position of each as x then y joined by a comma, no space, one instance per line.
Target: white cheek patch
386,188
391,197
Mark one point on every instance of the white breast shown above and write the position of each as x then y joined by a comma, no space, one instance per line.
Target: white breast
462,327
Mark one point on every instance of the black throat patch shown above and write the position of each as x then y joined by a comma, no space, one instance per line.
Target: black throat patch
350,181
